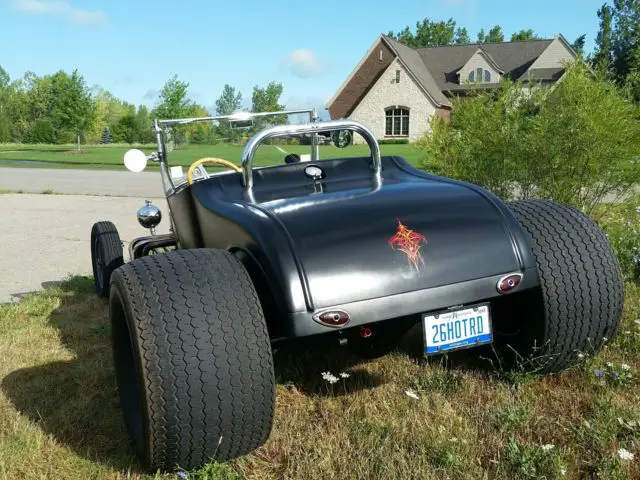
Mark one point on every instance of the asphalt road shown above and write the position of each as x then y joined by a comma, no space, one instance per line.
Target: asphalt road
45,238
80,182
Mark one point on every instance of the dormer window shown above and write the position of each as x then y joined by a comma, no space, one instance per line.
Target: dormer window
479,75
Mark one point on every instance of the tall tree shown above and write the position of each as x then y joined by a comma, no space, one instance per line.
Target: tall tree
462,36
5,120
229,101
496,35
524,35
266,100
603,57
430,33
482,36
173,100
578,44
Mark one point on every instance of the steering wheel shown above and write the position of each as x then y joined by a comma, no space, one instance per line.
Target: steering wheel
218,161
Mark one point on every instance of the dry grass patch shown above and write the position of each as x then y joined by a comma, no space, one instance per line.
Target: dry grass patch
60,417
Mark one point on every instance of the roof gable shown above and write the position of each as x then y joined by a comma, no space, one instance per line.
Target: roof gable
488,58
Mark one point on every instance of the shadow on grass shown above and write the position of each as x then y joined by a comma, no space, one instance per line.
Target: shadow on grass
76,401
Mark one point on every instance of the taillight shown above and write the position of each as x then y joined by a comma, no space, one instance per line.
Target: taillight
509,282
332,318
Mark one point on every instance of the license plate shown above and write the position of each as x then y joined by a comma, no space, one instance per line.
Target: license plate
455,329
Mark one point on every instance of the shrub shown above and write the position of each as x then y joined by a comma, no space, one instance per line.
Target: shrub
577,143
393,141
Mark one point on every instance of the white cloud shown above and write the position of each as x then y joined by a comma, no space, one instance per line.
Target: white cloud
60,8
304,63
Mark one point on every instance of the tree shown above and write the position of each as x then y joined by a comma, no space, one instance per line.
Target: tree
5,119
429,33
462,36
523,35
229,101
266,99
577,143
578,44
173,100
482,36
495,35
603,57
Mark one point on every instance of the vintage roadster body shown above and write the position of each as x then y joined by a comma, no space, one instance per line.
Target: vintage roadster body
359,248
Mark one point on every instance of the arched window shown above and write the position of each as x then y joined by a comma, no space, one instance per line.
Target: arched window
396,122
472,76
487,76
479,75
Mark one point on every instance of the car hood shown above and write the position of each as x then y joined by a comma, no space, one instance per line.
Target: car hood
361,243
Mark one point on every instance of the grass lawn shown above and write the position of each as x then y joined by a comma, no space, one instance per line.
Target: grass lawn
60,415
111,156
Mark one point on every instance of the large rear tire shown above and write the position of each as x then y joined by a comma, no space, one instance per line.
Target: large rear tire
582,291
192,357
106,255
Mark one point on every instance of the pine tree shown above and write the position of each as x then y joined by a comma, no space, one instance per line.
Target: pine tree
106,136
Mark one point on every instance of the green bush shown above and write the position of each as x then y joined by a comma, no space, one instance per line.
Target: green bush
622,226
576,143
393,141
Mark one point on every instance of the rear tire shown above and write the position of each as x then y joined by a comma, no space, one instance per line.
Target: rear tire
106,255
582,292
193,358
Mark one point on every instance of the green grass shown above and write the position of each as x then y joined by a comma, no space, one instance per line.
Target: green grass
60,414
110,157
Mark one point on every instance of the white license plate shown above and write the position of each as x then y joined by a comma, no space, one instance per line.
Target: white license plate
454,329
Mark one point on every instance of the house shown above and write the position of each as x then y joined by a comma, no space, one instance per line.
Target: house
396,90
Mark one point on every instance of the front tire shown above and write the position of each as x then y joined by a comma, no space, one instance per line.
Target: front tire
192,357
581,288
106,255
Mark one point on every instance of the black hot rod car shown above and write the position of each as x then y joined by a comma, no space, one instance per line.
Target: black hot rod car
358,248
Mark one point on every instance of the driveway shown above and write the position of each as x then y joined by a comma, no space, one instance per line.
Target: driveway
45,238
90,182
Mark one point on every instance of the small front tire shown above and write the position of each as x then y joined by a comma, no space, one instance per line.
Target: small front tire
106,255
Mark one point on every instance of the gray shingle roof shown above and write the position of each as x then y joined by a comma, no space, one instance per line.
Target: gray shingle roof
512,57
411,58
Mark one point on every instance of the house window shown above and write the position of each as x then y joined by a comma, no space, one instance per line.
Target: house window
397,76
397,122
479,75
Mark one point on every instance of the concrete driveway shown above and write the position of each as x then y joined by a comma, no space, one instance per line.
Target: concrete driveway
89,182
45,238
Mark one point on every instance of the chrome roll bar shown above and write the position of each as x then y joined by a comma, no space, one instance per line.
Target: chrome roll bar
312,128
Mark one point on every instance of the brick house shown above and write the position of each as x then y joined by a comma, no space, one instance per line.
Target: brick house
396,90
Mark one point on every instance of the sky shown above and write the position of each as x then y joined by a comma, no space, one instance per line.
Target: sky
131,47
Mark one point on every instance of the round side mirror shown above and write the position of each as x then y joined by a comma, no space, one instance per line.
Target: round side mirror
135,160
342,138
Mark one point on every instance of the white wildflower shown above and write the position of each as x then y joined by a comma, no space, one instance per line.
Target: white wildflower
412,394
581,356
547,447
344,375
625,454
563,471
329,377
637,322
625,366
609,364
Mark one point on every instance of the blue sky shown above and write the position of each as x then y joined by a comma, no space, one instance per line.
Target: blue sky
131,47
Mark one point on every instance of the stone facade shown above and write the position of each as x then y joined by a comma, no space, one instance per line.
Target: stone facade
387,93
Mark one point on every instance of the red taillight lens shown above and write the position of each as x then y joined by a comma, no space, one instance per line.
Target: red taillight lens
332,318
509,282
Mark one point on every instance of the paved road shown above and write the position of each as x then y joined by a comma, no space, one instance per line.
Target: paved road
91,182
45,238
